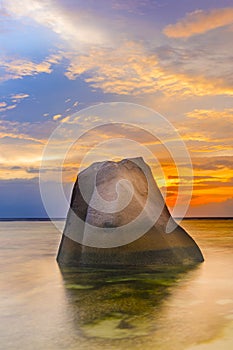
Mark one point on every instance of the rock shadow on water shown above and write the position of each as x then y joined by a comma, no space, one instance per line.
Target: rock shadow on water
119,303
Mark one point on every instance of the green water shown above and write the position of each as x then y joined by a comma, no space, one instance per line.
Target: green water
43,307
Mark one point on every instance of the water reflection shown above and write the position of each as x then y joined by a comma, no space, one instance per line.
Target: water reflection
119,304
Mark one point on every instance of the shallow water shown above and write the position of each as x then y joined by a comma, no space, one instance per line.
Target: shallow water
43,307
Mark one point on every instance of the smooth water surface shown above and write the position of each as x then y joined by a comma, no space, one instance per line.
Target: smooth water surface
43,307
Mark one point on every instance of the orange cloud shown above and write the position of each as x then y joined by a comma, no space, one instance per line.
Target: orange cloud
57,116
13,136
212,181
199,22
18,68
96,53
130,69
208,131
211,114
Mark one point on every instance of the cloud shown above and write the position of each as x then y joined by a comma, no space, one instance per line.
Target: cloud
19,97
208,184
212,183
18,68
28,139
29,152
71,26
208,131
132,6
217,184
199,22
65,120
214,164
33,170
132,69
211,114
15,168
6,107
9,140
189,178
14,99
96,51
28,131
57,116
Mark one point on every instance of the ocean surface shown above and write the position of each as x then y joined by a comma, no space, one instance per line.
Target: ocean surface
43,307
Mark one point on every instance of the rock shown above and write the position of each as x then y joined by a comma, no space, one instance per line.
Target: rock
123,221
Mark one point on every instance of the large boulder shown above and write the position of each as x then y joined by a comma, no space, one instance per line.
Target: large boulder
118,217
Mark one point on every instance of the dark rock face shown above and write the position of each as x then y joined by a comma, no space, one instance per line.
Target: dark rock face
103,209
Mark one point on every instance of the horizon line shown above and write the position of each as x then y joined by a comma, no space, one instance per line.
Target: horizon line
63,219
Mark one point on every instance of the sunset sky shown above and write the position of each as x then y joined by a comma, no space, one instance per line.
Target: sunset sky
58,57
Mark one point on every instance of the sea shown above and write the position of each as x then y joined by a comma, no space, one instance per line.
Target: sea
162,308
